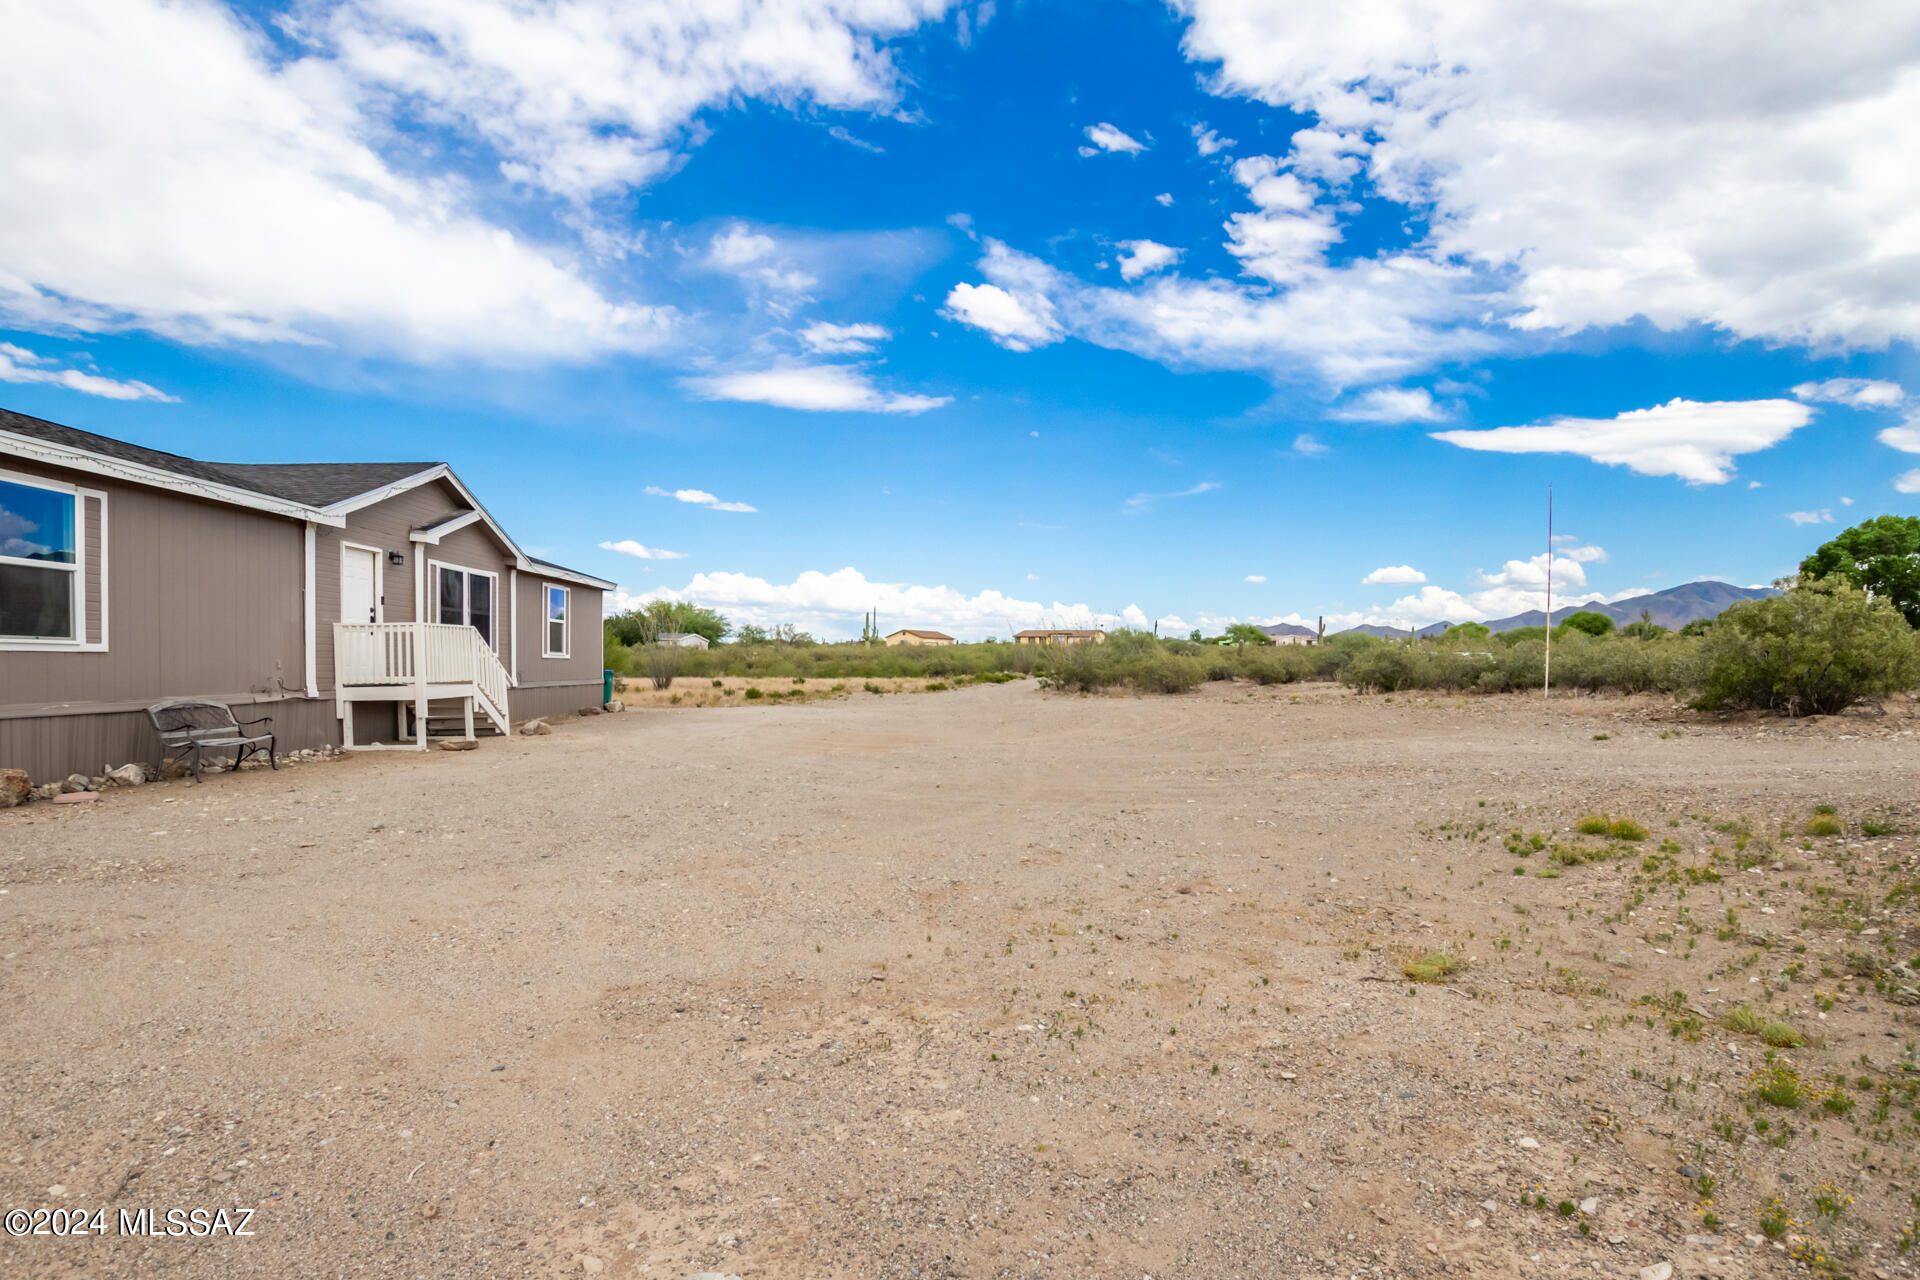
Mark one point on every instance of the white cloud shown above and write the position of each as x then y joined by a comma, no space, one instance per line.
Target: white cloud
1690,439
1207,142
1366,321
843,339
1822,516
596,95
823,387
1308,446
17,364
628,547
1395,574
1391,404
1144,257
1907,481
231,193
1140,502
1165,199
698,498
830,605
738,245
1256,577
1284,239
1105,137
1857,393
1684,163
1019,323
1906,439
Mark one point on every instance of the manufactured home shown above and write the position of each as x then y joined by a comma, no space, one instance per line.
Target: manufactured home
355,603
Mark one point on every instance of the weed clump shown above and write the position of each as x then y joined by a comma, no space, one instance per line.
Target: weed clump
1432,966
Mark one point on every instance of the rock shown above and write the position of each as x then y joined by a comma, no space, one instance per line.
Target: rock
614,706
76,797
1590,1206
459,744
1528,1144
128,775
46,791
174,769
1658,1271
15,787
1688,1171
589,1264
591,711
77,782
1620,960
535,729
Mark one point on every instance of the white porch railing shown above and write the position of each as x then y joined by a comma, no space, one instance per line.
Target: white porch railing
418,661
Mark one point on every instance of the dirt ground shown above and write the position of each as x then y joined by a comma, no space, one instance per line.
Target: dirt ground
987,982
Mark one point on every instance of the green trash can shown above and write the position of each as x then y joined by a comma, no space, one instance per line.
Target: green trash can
606,686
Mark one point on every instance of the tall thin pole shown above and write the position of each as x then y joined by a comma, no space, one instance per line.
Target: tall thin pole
1546,676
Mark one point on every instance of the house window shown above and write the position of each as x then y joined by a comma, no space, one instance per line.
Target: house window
39,564
556,634
464,597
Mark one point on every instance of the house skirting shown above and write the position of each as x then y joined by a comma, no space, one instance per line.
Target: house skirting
50,743
537,701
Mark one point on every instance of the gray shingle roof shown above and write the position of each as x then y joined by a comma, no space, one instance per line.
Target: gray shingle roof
314,484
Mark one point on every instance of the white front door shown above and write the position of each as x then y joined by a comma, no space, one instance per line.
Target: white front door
359,589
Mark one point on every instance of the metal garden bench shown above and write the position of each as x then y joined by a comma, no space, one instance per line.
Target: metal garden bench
190,726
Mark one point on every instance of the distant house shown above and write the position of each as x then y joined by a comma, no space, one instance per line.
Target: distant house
351,602
1292,633
1060,635
909,635
684,640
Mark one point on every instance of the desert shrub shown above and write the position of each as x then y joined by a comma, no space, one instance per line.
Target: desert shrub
1626,829
1166,673
1432,966
1781,1036
1389,668
1824,825
755,693
1592,825
1594,624
1816,649
1743,1019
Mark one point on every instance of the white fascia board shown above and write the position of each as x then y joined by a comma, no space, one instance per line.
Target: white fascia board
58,455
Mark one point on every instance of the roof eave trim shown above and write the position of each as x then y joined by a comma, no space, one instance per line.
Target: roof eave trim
58,455
431,536
565,575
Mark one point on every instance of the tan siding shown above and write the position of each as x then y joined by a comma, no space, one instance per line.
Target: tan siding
586,651
206,599
389,525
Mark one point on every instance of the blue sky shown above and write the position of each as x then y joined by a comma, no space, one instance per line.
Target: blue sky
1001,314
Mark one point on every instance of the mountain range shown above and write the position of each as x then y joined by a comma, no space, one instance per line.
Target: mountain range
1673,608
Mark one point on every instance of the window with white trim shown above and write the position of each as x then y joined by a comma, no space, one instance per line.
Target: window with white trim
466,597
41,592
557,635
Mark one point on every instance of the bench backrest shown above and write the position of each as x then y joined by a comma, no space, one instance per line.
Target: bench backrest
190,719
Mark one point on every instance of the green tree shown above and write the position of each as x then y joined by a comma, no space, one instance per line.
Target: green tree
664,617
750,634
1466,633
1195,637
1244,633
1880,556
1816,649
1594,624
